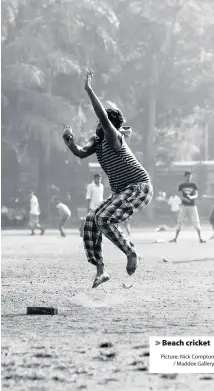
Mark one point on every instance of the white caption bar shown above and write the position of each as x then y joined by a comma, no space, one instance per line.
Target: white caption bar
182,354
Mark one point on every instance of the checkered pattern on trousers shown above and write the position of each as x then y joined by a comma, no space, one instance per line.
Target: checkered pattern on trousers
106,217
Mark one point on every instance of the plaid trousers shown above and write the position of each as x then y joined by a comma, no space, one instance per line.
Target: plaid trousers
106,217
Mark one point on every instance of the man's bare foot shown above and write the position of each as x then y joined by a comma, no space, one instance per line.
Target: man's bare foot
100,280
132,263
101,277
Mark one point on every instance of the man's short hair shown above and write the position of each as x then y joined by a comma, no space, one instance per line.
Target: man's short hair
187,173
116,117
97,175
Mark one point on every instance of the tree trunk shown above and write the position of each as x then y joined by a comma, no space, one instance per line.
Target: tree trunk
149,151
43,175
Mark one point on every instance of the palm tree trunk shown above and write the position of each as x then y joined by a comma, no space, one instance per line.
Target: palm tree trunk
149,152
43,175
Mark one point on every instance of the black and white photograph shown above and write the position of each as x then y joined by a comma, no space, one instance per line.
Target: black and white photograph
107,195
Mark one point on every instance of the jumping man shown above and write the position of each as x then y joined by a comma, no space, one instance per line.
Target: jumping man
129,181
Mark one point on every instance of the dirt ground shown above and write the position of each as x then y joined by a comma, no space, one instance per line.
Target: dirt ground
64,352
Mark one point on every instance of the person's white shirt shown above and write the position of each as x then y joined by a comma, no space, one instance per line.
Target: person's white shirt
63,209
94,194
174,203
34,206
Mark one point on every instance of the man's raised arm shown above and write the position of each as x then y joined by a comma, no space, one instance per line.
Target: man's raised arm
81,152
112,135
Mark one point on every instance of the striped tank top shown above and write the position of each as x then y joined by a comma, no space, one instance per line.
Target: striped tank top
121,167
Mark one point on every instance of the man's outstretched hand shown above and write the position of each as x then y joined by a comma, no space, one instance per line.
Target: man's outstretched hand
88,79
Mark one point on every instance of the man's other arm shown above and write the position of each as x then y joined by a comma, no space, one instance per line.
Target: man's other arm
81,152
195,195
182,196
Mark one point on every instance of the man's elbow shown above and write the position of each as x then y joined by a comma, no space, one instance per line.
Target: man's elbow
82,155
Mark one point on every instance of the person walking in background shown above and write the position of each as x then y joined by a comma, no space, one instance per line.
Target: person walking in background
188,194
34,214
130,185
212,221
174,203
65,214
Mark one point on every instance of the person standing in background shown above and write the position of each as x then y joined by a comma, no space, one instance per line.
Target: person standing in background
34,214
188,194
95,191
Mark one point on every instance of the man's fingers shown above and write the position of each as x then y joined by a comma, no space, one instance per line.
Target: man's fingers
90,73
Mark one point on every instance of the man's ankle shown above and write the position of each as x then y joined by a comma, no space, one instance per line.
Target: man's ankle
132,254
100,268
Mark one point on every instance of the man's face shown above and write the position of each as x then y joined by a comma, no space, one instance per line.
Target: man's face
97,180
188,178
30,195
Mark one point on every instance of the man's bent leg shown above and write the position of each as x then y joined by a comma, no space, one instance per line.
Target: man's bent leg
92,236
93,245
121,207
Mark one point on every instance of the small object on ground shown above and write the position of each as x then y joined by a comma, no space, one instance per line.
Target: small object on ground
158,241
170,376
126,287
42,311
164,260
108,354
161,228
106,345
145,354
206,377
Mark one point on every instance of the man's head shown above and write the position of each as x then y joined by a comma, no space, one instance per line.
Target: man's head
116,118
97,179
57,201
30,193
187,176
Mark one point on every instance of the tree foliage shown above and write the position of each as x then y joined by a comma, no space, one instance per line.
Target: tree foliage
153,59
